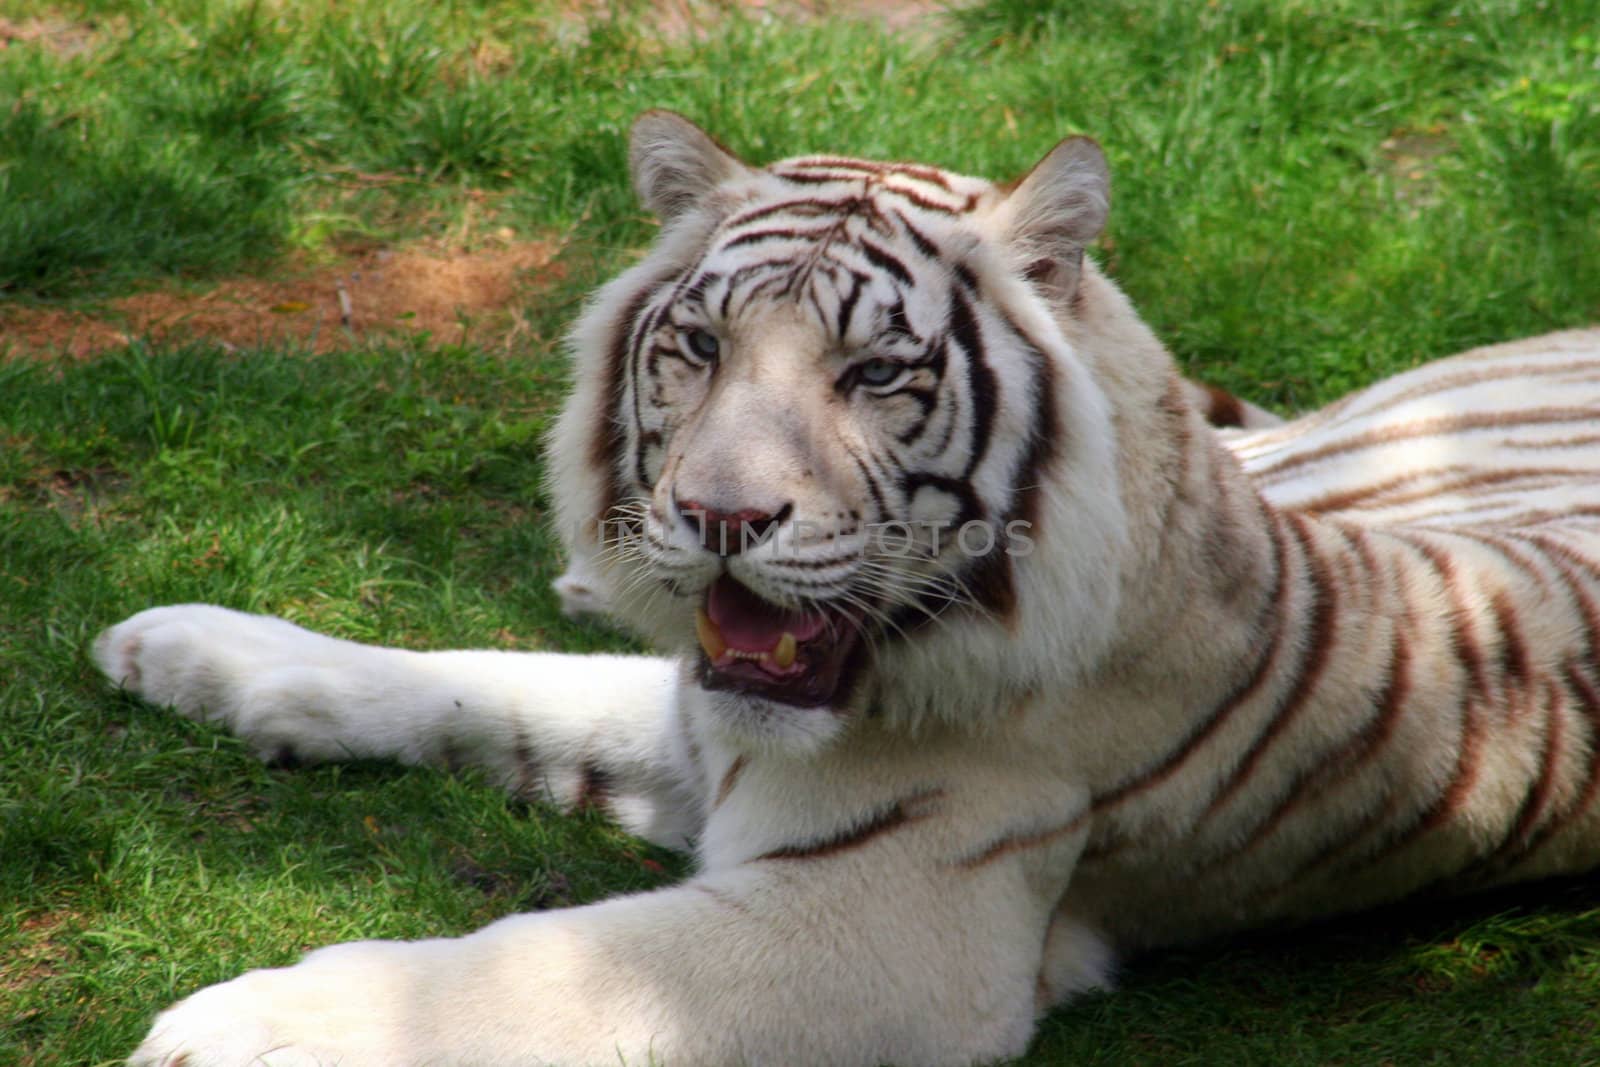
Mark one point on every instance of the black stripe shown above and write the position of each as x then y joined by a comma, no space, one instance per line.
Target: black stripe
606,443
801,178
932,205
805,207
915,171
951,412
872,482
926,399
696,293
847,305
918,238
755,237
1045,436
781,266
980,379
1447,805
898,323
884,260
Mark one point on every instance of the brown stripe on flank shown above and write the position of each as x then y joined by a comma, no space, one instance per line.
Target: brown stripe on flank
1448,805
1448,382
1525,518
1573,567
1377,815
1372,573
1462,640
1470,481
1318,778
1582,440
1537,800
901,813
1272,614
1442,425
1349,498
1013,843
1509,554
1514,658
1322,632
1588,698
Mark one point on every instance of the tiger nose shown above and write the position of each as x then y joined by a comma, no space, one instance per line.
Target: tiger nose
727,533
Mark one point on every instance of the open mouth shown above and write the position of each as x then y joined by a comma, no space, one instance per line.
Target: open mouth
751,646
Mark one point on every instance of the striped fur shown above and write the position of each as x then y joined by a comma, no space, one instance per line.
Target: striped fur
1236,679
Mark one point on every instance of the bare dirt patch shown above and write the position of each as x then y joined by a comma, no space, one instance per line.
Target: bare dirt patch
452,294
1411,157
896,14
679,18
38,953
57,34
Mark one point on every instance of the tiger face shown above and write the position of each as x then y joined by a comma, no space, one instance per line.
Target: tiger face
833,400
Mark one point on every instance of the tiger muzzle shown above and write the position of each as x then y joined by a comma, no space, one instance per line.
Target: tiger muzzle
796,657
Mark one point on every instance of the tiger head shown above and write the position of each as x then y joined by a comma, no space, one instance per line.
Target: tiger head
834,438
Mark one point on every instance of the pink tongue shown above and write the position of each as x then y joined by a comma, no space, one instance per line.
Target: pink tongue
749,623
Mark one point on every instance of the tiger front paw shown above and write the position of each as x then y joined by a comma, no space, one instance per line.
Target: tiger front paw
280,687
342,1005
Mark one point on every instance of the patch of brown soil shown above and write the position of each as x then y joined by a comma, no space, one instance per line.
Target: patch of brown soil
57,34
1412,156
677,18
895,14
37,954
450,294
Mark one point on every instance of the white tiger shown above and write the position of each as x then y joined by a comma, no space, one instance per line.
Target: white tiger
1164,687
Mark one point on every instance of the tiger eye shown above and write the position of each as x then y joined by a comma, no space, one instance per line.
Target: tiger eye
702,344
877,372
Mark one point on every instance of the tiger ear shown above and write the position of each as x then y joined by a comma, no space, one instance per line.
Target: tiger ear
1055,210
676,164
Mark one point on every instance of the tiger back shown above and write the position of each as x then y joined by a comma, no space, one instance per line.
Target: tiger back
1423,712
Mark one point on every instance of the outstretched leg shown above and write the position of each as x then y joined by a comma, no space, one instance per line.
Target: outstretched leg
886,951
598,730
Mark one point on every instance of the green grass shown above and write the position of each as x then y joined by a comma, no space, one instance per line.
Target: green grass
1308,195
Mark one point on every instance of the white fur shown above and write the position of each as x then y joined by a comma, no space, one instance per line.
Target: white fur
913,876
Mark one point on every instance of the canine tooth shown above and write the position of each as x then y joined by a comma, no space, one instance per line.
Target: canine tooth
783,655
710,637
